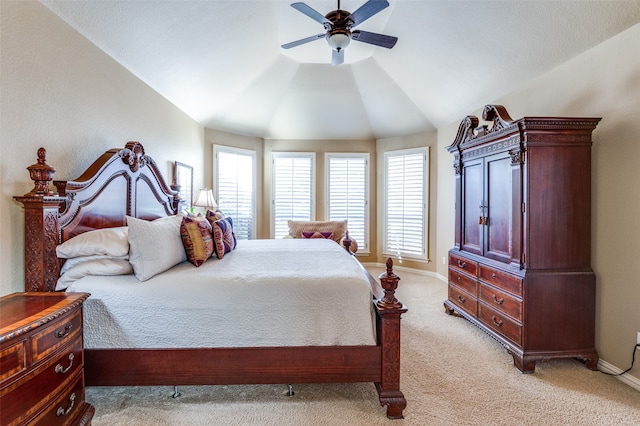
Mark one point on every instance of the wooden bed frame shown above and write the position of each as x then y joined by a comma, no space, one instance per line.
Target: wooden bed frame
127,182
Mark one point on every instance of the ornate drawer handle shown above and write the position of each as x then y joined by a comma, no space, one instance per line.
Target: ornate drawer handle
61,411
60,369
496,322
494,275
67,329
462,299
462,264
498,301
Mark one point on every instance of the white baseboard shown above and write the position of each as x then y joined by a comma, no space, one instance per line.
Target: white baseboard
628,379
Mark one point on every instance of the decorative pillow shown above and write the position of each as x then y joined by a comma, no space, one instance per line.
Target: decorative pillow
105,266
70,263
223,236
212,216
338,227
197,239
155,246
316,234
107,242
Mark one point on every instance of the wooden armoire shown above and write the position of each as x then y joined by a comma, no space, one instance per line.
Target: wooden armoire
520,268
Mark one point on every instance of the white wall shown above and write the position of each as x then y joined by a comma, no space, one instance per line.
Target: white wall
61,92
602,82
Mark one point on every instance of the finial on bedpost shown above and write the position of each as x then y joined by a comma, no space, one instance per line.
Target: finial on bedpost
42,174
346,242
389,281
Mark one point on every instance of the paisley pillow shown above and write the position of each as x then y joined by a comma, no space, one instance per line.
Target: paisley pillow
224,238
197,239
317,234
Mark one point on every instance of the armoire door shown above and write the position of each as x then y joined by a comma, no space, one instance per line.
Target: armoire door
472,236
498,223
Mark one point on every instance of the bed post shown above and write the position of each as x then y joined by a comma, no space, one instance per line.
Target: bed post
41,228
389,311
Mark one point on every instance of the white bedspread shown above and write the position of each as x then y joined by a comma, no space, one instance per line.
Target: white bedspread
286,292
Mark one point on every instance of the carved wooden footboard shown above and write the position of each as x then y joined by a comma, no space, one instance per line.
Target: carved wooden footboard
125,182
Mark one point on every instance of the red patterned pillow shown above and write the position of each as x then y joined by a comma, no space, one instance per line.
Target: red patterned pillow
223,236
197,239
317,234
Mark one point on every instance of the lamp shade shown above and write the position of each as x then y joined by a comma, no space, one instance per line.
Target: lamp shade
338,40
205,199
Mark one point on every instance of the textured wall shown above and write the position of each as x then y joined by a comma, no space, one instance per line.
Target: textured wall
61,92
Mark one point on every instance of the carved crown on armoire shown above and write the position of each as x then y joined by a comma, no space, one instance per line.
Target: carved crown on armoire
520,268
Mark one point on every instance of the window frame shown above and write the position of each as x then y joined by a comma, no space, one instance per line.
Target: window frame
216,178
364,246
312,202
386,251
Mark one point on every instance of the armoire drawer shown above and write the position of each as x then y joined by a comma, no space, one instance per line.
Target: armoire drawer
64,408
468,284
500,323
501,301
463,300
465,265
502,280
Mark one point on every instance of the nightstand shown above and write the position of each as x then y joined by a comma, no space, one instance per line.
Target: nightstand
42,360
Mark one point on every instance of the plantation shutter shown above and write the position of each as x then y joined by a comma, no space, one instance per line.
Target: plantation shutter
235,185
405,203
347,194
293,189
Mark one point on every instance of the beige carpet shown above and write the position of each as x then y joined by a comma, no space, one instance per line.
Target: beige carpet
452,374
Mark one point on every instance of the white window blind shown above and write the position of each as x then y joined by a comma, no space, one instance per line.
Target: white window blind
347,193
405,216
293,189
235,183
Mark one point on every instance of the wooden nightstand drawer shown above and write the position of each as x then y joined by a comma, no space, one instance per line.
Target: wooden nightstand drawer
59,333
500,323
65,408
501,301
465,265
502,280
13,360
26,397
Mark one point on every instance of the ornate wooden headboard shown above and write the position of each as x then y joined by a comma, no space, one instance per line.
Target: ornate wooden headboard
121,182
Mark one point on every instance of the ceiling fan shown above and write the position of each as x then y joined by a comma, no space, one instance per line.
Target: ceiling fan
339,26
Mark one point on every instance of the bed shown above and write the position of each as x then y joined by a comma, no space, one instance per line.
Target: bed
126,183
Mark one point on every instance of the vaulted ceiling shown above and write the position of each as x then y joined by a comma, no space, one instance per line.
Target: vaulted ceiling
222,64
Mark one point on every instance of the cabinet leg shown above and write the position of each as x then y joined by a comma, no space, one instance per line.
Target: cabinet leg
448,309
590,360
524,364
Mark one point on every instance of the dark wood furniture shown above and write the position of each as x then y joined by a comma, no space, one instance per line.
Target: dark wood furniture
42,359
127,182
520,268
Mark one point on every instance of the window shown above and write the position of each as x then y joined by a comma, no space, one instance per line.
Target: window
406,175
235,183
347,194
293,183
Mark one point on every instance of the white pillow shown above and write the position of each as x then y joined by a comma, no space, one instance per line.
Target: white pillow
93,267
70,263
155,246
106,242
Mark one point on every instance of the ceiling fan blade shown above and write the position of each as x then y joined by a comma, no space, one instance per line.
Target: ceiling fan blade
312,13
367,10
303,41
337,57
374,38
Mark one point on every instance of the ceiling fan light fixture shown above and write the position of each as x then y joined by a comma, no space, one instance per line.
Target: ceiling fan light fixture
338,40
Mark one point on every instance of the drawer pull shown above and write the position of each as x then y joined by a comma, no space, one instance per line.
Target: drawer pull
61,370
61,334
498,301
462,264
496,322
494,276
61,411
462,299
